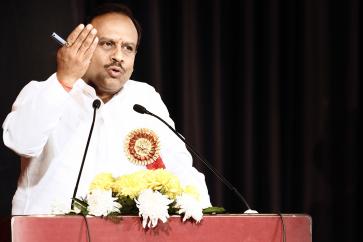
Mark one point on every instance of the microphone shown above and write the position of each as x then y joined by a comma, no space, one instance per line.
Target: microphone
142,110
96,104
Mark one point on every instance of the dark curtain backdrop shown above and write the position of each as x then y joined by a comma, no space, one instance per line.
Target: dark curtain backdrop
268,91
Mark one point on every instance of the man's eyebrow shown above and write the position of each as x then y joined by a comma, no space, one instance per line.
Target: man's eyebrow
129,43
105,38
102,38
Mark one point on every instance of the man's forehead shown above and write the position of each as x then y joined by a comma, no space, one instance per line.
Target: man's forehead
115,26
112,18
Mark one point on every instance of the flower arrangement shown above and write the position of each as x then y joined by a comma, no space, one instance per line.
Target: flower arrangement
151,194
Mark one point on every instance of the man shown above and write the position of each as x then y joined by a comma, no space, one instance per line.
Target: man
50,120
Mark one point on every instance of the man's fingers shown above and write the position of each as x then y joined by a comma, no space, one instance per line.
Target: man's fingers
81,37
74,35
87,42
89,52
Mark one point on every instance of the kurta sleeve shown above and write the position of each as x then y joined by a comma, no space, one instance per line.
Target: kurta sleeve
35,113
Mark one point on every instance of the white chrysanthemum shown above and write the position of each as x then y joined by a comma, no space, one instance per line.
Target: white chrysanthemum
190,206
60,207
101,202
152,207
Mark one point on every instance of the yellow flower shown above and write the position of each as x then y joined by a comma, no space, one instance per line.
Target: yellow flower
103,181
130,185
164,182
133,184
192,191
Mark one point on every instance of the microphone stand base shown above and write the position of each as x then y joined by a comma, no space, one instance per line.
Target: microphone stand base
250,211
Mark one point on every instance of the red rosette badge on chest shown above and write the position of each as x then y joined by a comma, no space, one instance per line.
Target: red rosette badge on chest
142,146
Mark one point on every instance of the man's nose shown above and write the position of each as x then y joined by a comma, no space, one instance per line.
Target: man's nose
117,55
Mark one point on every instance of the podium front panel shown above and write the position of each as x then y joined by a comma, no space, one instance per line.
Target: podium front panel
221,228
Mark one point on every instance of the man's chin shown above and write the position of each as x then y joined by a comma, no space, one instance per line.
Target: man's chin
106,83
113,86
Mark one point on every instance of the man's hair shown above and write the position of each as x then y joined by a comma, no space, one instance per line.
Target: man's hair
119,8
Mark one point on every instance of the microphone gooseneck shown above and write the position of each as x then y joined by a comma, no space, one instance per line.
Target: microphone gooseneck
96,104
142,110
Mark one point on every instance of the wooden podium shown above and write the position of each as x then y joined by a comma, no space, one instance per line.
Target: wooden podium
221,228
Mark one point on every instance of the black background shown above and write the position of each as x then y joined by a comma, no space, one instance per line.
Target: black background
269,91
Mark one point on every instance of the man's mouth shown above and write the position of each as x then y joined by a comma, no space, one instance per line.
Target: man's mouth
114,71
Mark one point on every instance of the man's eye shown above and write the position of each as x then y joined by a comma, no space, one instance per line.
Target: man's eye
128,48
107,44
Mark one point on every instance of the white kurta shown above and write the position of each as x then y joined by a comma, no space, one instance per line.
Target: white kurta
50,127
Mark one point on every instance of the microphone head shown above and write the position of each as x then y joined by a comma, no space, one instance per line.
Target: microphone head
140,109
96,103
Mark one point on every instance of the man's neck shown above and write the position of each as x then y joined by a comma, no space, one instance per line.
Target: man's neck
105,97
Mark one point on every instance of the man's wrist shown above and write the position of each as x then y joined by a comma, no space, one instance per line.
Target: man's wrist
66,87
65,84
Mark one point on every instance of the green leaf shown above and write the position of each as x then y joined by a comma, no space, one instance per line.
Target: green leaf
81,204
214,210
172,209
128,205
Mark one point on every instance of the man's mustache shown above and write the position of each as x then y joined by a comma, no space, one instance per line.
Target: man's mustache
115,63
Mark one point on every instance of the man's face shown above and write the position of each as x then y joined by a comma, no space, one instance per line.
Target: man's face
113,60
